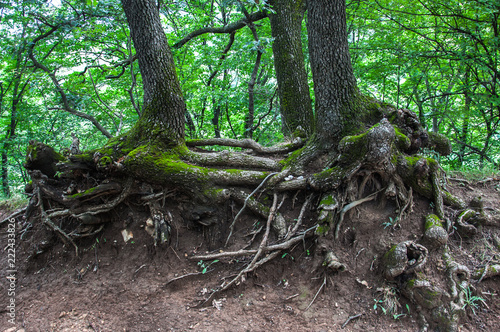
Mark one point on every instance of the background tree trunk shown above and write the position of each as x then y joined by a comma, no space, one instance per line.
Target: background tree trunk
293,89
334,82
164,107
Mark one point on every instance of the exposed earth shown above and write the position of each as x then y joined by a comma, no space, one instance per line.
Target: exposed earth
127,286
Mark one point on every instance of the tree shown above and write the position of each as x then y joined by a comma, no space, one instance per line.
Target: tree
164,108
335,88
404,44
293,88
370,150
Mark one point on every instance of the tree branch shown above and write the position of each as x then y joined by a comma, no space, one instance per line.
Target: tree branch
59,89
230,28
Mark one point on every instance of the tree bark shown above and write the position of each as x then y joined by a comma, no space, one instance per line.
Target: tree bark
335,87
293,89
164,108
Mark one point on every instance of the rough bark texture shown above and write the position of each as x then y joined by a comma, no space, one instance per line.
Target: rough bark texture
293,89
334,82
164,107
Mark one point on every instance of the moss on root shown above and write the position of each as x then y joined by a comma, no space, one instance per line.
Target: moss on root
152,164
42,157
439,143
434,232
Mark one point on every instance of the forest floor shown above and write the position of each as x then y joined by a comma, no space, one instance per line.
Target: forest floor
122,286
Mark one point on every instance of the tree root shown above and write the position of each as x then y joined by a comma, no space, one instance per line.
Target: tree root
231,159
273,250
462,223
14,214
95,232
487,272
247,252
349,206
405,257
317,293
438,196
231,227
255,262
161,223
248,144
94,210
46,220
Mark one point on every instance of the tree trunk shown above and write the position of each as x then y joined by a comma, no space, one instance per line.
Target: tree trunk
5,171
465,122
164,108
335,88
216,117
293,89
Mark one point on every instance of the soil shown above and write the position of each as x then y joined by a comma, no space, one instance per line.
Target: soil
124,286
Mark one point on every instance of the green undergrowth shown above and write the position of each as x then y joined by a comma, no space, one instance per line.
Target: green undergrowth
13,203
471,173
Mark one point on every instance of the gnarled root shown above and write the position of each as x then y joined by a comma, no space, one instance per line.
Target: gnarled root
332,262
488,271
404,258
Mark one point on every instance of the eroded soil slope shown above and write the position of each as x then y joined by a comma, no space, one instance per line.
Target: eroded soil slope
124,286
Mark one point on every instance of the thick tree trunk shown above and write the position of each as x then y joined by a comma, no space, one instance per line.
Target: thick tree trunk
5,172
293,89
164,108
335,88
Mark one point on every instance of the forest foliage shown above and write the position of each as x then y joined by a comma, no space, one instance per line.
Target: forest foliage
438,59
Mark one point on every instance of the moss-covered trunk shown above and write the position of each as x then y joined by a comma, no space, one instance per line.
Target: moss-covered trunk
164,108
293,89
337,95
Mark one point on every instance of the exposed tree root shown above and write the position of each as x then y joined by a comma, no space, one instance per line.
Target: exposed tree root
487,272
323,284
349,206
231,227
255,261
379,163
248,144
14,215
46,220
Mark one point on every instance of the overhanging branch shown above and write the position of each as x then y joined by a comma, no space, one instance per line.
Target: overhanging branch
254,17
59,89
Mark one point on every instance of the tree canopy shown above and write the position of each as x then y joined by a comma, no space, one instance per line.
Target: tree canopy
127,101
439,60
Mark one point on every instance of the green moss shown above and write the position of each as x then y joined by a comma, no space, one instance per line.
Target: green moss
31,152
327,200
292,157
348,141
467,214
329,178
153,164
353,148
84,193
374,110
453,201
323,229
419,179
403,143
411,283
439,143
299,132
105,161
412,160
389,256
432,221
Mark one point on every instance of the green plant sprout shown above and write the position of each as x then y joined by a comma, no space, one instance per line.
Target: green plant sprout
472,301
391,222
204,266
